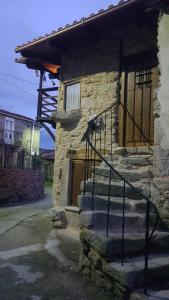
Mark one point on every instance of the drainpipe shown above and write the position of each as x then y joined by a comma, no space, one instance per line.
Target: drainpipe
32,136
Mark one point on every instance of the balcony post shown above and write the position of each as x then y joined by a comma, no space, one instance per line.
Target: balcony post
39,108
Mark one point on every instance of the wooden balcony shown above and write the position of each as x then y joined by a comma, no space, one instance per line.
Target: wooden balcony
47,104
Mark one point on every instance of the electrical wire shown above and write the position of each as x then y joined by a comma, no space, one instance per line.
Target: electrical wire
17,87
18,78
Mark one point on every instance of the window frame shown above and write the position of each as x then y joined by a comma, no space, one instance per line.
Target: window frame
6,130
65,95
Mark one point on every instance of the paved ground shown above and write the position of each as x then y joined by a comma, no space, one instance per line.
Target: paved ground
38,262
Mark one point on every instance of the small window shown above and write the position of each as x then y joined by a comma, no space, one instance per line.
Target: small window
72,96
9,130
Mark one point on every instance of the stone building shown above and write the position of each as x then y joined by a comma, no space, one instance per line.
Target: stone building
47,157
21,179
113,93
17,132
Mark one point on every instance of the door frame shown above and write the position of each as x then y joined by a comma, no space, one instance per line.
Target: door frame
79,154
149,61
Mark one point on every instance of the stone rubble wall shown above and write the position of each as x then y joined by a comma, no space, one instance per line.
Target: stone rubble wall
160,188
20,186
96,65
93,95
98,91
93,265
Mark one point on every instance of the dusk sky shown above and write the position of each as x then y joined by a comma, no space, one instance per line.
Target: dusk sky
21,21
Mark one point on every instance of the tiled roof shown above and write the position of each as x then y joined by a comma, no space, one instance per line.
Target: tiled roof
15,115
74,24
47,154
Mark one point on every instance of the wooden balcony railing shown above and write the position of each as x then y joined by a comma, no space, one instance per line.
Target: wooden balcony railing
47,103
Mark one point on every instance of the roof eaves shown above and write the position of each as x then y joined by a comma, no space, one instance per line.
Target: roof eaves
76,24
15,115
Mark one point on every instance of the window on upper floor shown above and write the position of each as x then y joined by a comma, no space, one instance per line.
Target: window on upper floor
72,96
9,130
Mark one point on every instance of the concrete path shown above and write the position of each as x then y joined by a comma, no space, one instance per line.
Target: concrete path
38,262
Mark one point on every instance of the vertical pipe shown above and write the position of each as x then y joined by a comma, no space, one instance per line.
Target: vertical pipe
123,224
124,108
147,241
105,133
5,156
39,108
94,174
84,189
111,129
32,137
121,69
150,113
142,102
134,109
108,204
23,158
88,156
91,150
100,137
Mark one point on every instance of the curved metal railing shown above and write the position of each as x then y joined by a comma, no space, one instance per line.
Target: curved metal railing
99,138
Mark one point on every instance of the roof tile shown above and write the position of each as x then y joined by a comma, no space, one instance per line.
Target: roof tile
74,23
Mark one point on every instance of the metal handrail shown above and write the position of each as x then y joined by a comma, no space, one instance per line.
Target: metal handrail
137,126
92,147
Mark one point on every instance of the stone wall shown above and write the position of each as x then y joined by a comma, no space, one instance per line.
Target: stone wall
94,264
20,186
160,190
97,72
96,65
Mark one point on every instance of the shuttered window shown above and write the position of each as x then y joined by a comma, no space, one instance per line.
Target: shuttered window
72,96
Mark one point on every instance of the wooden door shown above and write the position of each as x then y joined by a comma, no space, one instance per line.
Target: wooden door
136,124
78,175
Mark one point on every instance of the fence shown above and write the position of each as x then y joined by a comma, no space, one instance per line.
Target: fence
14,158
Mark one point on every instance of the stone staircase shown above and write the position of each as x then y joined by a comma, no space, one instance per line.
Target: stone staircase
101,254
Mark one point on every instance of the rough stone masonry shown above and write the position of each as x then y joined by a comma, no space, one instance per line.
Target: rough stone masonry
95,64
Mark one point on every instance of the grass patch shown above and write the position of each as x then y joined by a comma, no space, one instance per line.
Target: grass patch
48,183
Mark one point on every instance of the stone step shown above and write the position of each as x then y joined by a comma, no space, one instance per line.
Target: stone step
135,160
134,222
151,295
101,203
129,174
129,161
117,189
133,151
131,274
72,216
158,295
111,247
